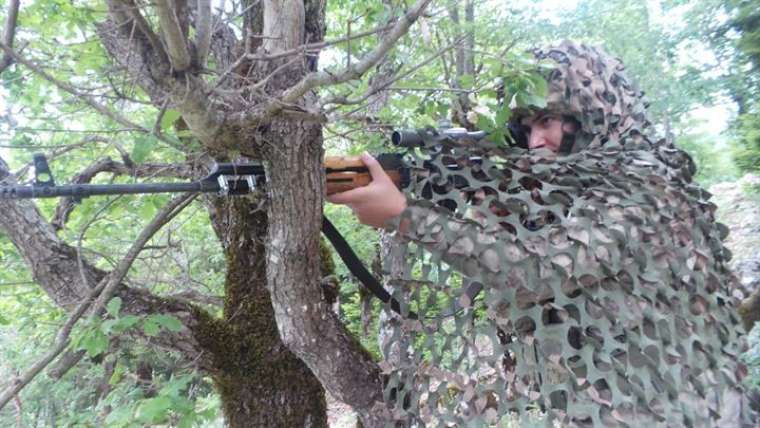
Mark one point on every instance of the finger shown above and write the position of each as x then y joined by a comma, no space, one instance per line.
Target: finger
375,169
349,196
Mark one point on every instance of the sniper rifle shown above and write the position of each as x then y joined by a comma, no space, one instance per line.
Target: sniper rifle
230,179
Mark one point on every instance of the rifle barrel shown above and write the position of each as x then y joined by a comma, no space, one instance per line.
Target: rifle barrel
84,190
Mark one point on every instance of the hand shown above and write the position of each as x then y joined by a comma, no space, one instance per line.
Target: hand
375,203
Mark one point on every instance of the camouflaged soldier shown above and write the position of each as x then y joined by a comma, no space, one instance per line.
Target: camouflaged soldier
583,277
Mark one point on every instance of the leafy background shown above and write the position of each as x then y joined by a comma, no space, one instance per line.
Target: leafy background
696,60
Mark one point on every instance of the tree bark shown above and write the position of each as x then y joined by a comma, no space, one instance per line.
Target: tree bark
306,323
261,382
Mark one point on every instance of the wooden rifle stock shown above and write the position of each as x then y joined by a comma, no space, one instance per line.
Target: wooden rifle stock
349,172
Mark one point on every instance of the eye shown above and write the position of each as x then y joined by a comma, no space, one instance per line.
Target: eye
546,120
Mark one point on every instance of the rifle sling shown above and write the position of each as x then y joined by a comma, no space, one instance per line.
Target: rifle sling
357,268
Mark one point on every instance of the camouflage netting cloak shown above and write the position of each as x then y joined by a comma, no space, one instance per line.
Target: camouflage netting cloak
588,288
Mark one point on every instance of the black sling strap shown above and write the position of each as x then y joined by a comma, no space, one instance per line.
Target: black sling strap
357,268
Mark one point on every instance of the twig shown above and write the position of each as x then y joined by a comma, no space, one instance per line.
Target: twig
84,97
261,83
59,150
316,79
422,89
385,85
66,205
100,295
6,284
160,117
133,12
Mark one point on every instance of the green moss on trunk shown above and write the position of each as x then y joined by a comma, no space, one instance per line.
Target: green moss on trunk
260,381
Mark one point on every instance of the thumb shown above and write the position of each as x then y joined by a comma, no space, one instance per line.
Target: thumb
375,169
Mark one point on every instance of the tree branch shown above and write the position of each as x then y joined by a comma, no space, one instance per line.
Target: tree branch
54,266
187,93
386,85
66,205
179,55
203,31
99,296
317,79
100,108
9,32
132,12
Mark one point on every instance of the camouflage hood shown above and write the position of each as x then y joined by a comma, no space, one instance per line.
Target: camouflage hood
589,85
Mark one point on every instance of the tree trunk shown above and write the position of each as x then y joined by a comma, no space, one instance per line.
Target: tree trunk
343,366
260,381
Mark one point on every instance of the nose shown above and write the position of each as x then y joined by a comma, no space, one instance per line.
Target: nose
536,139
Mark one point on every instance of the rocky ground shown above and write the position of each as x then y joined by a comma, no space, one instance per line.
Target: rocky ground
739,209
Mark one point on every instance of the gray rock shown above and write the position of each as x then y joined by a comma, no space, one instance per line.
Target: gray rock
739,208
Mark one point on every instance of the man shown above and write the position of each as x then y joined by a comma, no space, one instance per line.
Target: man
380,201
599,275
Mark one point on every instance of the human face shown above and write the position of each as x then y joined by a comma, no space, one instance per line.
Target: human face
546,131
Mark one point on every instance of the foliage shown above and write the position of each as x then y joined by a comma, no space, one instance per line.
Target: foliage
747,148
711,156
59,35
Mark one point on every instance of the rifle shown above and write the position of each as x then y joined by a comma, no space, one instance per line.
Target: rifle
226,179
230,179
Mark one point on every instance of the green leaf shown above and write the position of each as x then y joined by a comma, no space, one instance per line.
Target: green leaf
118,373
539,85
467,81
176,385
187,421
485,123
170,116
169,322
143,147
119,417
126,322
153,323
151,327
95,342
502,116
114,306
4,321
154,409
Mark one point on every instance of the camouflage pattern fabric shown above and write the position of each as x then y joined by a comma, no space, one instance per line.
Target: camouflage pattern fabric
587,289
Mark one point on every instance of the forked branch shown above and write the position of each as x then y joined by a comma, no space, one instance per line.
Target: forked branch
319,79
